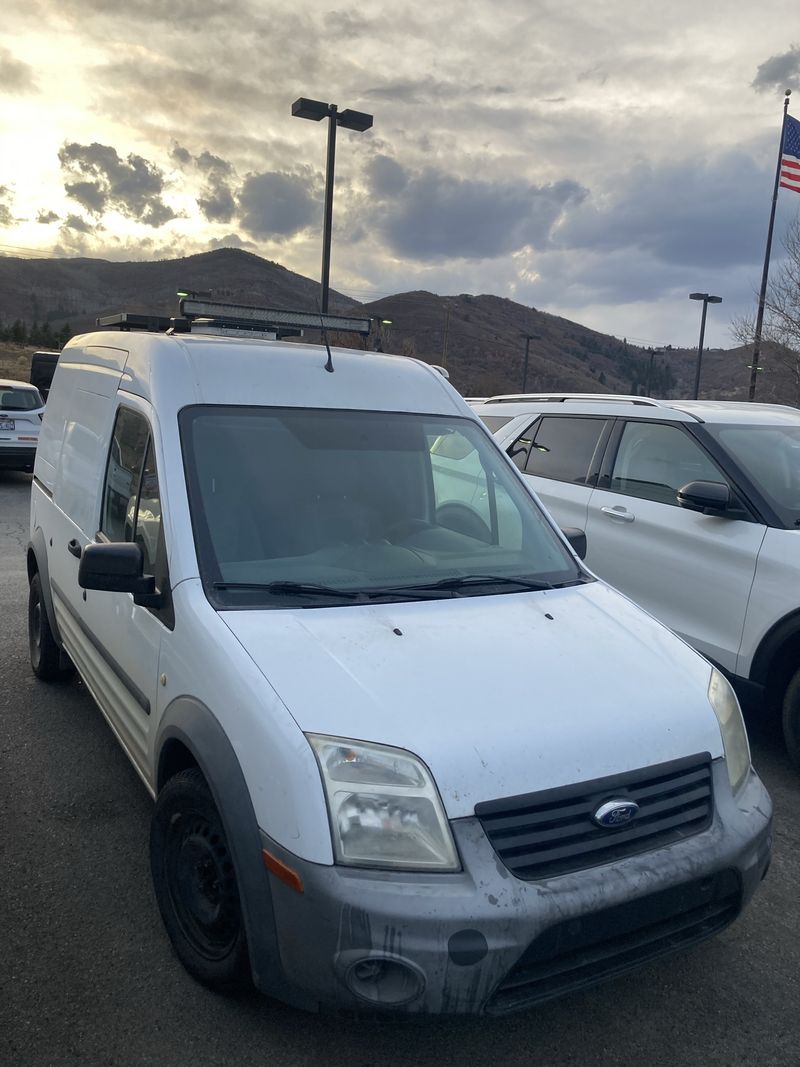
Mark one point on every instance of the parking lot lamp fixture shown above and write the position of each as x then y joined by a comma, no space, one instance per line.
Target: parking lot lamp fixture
706,301
315,110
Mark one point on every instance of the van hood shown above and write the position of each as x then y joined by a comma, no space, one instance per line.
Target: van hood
498,695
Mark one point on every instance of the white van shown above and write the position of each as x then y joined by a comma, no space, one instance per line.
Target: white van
406,751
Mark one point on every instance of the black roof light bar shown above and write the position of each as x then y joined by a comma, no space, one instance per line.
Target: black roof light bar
242,316
208,316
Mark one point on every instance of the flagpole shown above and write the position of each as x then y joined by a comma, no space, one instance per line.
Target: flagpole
763,294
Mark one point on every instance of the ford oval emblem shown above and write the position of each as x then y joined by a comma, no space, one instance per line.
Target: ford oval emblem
616,813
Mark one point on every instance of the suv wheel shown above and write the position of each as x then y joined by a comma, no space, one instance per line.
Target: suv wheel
791,719
46,656
195,884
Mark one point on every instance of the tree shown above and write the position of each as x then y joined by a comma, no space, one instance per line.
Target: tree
781,328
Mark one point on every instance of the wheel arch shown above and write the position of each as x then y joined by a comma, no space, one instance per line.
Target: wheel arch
777,657
36,563
191,735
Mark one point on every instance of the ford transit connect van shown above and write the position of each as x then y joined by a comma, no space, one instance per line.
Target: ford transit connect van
406,752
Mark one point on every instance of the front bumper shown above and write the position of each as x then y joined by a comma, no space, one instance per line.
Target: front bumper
484,941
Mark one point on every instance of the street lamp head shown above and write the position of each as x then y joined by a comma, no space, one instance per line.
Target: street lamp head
698,296
715,300
311,109
354,120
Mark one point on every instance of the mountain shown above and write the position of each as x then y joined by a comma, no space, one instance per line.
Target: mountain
480,339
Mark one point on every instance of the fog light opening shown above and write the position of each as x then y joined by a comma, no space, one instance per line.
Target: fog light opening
384,980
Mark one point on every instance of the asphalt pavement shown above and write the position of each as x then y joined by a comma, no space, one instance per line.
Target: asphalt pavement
88,978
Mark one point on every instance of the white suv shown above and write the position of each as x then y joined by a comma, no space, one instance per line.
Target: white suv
405,751
21,411
692,508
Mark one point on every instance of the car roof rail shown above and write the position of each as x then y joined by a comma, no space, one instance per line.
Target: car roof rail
205,316
561,398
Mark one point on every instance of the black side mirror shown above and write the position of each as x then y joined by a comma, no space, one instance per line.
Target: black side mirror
708,497
116,567
577,538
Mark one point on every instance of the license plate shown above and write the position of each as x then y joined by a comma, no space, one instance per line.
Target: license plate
7,424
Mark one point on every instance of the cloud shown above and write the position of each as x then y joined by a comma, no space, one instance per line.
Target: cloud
102,181
217,199
278,204
46,217
15,76
78,224
779,72
233,240
642,213
433,214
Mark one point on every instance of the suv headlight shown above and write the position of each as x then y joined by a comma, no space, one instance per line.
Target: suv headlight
384,807
734,736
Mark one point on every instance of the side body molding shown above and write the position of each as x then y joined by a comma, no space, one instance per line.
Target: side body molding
188,723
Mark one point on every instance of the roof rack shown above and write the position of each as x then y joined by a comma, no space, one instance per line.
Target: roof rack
561,398
239,320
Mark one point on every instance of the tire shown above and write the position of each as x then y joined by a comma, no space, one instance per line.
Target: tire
46,657
195,884
791,719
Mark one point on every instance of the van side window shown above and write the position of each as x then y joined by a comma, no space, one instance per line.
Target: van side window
123,474
145,530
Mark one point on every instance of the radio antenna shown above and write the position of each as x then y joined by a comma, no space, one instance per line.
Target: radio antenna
329,364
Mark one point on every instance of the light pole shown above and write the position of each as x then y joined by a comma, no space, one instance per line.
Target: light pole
528,338
706,301
315,110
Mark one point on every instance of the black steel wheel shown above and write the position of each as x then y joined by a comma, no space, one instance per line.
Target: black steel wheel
195,884
46,657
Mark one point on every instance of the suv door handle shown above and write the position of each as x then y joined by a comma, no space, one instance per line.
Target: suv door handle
620,513
74,548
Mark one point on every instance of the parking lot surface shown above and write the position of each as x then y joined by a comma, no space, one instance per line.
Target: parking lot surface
87,976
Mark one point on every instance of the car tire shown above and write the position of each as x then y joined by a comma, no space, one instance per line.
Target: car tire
791,719
195,884
47,660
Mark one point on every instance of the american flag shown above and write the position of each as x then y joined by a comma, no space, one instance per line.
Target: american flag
790,159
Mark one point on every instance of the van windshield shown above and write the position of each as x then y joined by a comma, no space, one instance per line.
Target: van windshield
323,507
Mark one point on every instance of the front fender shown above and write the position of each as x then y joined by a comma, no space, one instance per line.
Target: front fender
188,722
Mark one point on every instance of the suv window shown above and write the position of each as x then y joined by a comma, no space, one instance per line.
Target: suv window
654,461
561,448
13,399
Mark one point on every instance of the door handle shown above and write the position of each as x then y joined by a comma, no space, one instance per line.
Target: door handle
74,548
619,513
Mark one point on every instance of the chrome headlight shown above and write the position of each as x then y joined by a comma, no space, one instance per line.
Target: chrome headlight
384,807
734,736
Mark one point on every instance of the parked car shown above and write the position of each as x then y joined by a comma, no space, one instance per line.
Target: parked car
21,409
692,508
406,752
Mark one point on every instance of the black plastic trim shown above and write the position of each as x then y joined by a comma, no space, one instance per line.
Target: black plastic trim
38,547
193,725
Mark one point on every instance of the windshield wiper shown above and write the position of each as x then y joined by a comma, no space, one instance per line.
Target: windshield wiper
291,589
454,585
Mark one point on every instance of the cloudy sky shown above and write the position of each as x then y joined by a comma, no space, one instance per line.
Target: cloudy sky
598,161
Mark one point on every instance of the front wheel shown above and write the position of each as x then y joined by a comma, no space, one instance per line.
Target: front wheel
791,719
46,657
195,884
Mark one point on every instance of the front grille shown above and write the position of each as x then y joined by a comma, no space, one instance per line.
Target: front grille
580,952
540,835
